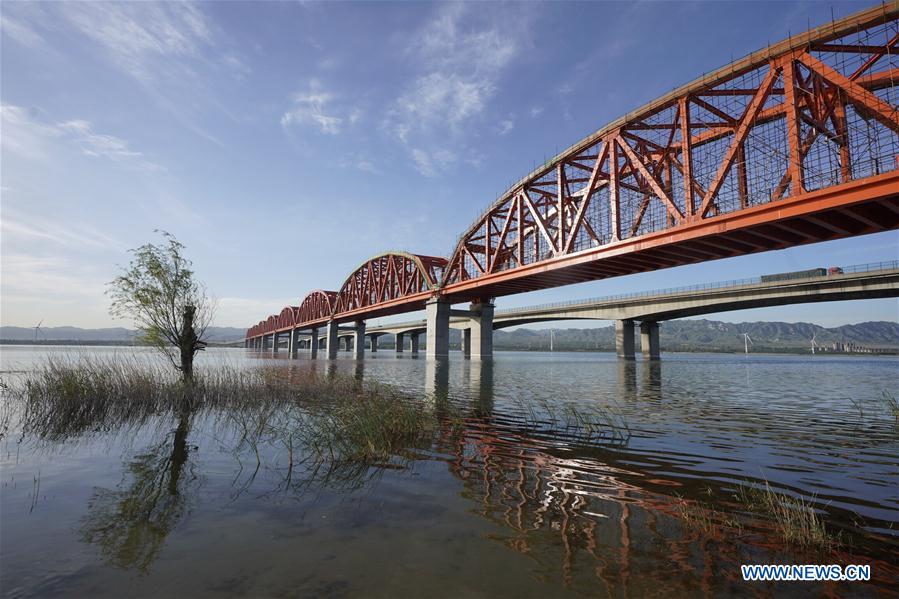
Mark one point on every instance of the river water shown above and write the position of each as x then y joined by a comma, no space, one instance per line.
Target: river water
508,504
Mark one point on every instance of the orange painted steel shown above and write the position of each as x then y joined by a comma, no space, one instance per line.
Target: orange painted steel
388,284
795,144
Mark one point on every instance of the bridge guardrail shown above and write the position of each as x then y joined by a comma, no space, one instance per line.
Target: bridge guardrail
733,283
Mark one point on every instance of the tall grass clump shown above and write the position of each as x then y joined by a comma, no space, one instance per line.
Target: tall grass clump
794,518
337,417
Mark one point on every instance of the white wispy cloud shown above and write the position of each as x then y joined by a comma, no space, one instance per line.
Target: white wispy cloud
430,164
73,235
27,136
20,31
461,54
167,47
360,162
319,108
505,126
143,38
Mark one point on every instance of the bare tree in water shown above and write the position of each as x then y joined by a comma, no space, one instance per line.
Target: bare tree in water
170,308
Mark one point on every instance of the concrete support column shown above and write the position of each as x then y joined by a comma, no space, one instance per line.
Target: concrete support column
649,339
313,343
276,340
347,343
437,319
482,331
374,343
331,339
360,339
624,339
292,342
413,342
466,342
400,341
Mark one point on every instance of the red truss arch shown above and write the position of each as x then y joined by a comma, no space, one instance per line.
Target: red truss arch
271,324
387,278
810,115
317,306
288,317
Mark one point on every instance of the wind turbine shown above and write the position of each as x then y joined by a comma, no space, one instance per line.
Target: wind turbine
747,341
814,343
37,329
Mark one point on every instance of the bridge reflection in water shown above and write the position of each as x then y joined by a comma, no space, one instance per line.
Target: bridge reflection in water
591,509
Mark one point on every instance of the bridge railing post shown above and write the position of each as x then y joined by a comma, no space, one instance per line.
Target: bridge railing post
624,339
438,317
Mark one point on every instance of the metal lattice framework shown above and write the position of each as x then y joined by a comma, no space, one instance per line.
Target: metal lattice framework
813,113
388,278
794,144
317,306
288,317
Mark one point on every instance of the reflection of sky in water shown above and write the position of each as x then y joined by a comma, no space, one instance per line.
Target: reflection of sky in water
506,503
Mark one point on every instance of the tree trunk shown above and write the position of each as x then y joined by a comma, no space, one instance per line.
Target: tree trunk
188,344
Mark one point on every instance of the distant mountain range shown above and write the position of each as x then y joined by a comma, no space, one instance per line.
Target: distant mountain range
712,335
117,335
676,335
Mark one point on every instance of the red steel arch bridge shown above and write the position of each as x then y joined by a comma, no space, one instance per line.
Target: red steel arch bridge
794,144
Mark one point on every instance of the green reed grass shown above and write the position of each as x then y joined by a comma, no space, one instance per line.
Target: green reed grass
794,518
336,416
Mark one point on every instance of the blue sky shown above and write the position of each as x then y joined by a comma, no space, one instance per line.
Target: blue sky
285,143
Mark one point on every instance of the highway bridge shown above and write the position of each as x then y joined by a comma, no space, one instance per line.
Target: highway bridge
875,280
794,144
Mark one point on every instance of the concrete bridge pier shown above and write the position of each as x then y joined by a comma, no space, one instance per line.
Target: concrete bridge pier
437,321
400,342
294,343
313,343
413,343
481,331
331,339
624,339
373,339
359,341
276,341
466,342
649,339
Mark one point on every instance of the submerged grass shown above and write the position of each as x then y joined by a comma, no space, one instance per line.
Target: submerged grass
891,404
703,518
794,518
